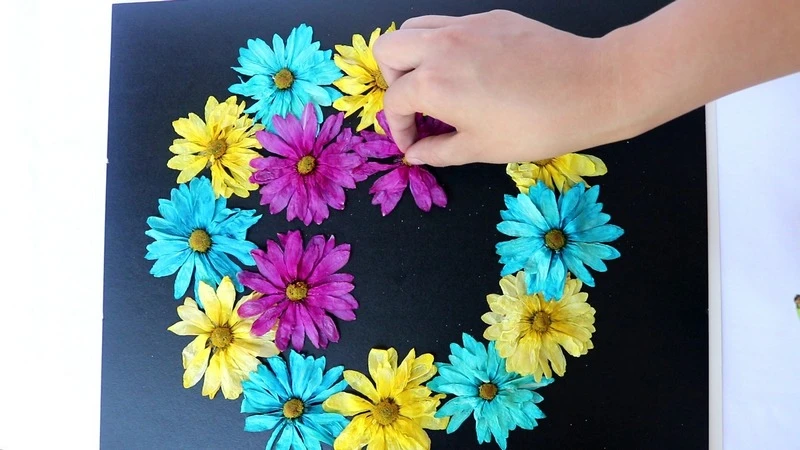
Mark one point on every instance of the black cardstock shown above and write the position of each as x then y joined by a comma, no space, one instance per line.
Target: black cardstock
421,279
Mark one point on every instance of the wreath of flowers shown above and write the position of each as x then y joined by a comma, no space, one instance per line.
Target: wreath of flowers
302,162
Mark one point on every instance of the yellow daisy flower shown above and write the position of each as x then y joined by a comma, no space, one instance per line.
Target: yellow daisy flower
224,350
531,332
559,173
397,408
364,83
224,142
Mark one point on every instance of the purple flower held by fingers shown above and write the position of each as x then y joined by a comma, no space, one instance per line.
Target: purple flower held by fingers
311,169
388,189
300,289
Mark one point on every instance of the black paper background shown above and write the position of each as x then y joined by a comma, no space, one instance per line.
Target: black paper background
421,278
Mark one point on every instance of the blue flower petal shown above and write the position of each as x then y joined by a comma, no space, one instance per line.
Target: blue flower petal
261,422
531,213
162,248
170,264
184,277
575,265
556,278
276,435
603,233
518,229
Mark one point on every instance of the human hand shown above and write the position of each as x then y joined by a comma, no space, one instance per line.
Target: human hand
514,88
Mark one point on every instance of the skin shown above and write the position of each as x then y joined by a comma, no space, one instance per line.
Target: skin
519,90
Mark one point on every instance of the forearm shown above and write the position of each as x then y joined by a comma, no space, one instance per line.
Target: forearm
694,51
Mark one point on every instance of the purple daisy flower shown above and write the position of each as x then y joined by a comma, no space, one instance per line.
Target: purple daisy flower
301,289
311,170
388,189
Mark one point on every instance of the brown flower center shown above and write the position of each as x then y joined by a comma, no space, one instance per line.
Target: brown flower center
555,239
283,79
217,148
199,241
293,409
380,81
306,165
386,412
540,321
487,391
297,291
221,337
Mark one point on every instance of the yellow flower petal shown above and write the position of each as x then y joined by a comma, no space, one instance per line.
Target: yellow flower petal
196,368
355,435
411,433
346,404
184,328
193,129
350,85
361,383
226,295
184,147
212,381
189,312
208,297
190,351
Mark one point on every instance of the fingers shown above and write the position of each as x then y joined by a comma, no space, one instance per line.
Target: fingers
451,149
401,102
400,52
428,22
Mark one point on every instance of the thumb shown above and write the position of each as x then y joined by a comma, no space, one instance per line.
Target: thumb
450,149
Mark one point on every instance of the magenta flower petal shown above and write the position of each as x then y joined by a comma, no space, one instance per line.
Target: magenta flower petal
311,169
419,190
438,196
378,149
302,290
381,117
389,188
293,252
274,144
330,263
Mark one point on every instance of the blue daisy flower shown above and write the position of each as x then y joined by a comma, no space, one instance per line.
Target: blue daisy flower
195,234
553,237
284,78
500,401
288,401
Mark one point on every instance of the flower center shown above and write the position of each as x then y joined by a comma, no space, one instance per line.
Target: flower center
380,81
306,165
386,412
405,161
543,162
487,391
555,239
297,291
221,337
293,409
217,148
540,322
283,79
199,241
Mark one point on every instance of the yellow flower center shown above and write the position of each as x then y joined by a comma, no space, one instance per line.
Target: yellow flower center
405,161
283,79
487,391
297,291
386,412
540,321
306,165
217,148
221,337
543,162
555,239
199,241
380,81
293,409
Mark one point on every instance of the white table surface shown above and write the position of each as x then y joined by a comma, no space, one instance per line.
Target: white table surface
56,54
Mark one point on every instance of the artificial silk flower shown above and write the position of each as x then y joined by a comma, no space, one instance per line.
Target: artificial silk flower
284,78
311,170
301,289
531,332
364,84
224,142
388,189
499,400
287,400
395,411
195,236
224,350
553,237
560,173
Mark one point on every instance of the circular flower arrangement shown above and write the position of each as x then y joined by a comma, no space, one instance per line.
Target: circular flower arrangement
303,162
